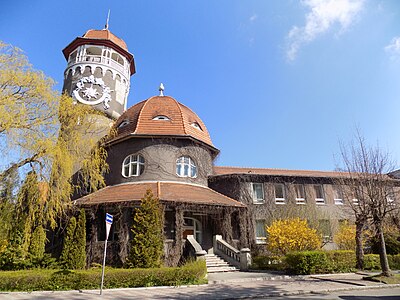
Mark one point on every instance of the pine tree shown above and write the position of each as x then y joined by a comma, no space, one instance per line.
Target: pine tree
73,255
67,257
80,241
147,238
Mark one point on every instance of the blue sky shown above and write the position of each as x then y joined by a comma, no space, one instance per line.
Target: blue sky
277,83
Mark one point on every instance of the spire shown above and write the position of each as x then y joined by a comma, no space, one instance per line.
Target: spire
161,89
108,19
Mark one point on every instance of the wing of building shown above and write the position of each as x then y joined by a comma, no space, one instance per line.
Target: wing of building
162,145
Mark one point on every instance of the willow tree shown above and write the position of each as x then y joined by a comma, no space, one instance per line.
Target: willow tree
47,133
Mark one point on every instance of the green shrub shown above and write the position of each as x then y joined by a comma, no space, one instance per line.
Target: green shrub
31,280
268,262
394,261
372,262
341,261
308,262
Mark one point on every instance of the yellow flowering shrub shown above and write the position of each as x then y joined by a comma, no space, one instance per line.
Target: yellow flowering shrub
345,238
289,235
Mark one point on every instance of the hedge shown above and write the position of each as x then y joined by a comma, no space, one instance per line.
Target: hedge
339,261
33,280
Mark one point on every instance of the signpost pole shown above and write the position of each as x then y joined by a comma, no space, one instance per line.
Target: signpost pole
109,220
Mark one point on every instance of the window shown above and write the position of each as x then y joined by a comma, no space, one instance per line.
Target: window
390,198
196,125
355,201
258,192
338,195
133,165
279,193
161,118
123,123
300,194
261,234
319,194
185,167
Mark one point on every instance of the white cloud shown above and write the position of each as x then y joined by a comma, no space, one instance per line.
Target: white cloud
394,47
322,15
253,18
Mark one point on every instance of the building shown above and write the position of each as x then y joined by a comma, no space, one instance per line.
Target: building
164,146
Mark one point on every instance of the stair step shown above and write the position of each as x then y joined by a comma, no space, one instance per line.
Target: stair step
216,264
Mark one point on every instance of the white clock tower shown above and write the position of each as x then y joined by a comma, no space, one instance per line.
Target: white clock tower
98,71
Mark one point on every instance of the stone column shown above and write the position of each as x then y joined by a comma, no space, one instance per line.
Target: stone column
245,259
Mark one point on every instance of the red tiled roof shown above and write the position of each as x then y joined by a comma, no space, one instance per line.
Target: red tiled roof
276,172
181,118
105,34
165,191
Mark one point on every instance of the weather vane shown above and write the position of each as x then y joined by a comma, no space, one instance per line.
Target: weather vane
161,89
108,19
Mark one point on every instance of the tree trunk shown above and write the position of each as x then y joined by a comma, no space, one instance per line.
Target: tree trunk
359,245
382,252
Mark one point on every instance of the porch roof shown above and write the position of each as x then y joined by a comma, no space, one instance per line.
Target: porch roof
165,191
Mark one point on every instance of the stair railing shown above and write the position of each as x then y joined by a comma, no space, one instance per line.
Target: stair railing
200,253
240,259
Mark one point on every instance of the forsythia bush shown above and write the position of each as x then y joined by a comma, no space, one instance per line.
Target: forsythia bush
289,235
345,238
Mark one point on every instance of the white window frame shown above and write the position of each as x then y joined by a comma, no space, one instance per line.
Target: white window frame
300,200
186,167
161,118
280,201
261,239
337,192
255,199
319,201
130,161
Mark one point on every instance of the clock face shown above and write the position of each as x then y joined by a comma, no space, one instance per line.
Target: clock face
92,91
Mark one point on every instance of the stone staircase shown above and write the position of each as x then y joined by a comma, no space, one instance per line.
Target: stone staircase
216,264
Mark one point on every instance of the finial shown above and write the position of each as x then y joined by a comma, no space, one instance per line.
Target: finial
108,19
161,89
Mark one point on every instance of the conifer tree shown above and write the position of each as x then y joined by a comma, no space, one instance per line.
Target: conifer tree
67,254
73,255
80,241
147,234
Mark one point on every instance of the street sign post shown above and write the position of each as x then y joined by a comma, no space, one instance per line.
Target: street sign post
109,221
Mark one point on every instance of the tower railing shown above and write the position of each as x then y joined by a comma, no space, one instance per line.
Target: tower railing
100,60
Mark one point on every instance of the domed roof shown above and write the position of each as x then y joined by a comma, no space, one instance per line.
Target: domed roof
162,115
105,34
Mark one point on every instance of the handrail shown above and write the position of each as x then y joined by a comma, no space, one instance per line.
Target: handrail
227,251
99,59
194,243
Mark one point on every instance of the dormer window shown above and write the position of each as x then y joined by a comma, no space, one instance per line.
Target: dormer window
196,125
161,118
123,124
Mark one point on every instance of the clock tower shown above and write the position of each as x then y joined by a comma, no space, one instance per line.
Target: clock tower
98,71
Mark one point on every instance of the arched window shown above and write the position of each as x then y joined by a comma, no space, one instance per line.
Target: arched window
133,165
185,167
196,125
161,118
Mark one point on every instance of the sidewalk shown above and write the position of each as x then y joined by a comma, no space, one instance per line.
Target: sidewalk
227,286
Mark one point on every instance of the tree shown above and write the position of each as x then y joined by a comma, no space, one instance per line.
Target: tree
67,254
370,191
73,255
147,234
289,235
47,132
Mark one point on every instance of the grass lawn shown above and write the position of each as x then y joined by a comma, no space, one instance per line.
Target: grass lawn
388,280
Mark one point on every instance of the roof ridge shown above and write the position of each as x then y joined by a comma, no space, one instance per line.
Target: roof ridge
140,113
278,169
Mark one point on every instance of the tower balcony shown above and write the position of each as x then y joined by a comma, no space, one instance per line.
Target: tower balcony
101,61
